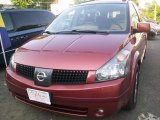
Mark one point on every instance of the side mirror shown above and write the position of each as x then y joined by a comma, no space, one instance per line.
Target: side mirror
143,27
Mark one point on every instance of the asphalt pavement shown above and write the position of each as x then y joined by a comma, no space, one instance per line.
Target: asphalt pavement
148,107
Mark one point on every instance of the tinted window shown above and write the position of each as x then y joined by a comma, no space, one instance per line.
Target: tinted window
97,17
8,22
25,20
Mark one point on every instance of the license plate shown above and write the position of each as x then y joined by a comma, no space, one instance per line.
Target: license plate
39,96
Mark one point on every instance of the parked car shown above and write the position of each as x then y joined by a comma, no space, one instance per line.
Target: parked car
22,25
154,29
87,63
157,26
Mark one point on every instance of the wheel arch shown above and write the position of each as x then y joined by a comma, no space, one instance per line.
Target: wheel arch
136,62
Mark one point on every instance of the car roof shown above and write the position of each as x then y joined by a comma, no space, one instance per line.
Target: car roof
16,10
105,1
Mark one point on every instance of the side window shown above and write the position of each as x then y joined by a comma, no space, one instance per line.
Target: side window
134,16
8,22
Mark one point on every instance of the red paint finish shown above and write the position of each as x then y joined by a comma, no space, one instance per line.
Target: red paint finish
76,50
79,52
107,95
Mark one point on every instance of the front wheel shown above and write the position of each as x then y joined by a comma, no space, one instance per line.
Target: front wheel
133,98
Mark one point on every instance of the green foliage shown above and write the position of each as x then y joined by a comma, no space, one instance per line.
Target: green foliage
1,6
158,14
22,3
42,4
76,1
136,1
148,12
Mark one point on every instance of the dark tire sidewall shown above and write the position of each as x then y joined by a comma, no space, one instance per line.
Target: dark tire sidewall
136,84
133,98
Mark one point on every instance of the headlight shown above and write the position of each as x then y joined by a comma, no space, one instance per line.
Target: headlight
116,68
12,62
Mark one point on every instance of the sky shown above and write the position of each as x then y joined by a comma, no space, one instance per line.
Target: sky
5,1
62,5
142,2
149,1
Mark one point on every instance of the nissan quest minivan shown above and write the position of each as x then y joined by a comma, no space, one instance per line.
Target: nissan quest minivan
86,63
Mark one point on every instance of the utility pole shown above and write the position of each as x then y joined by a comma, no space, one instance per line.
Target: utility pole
155,12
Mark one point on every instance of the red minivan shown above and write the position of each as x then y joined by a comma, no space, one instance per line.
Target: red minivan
87,62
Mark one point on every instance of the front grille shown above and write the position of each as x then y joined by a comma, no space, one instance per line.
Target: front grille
69,77
58,76
25,71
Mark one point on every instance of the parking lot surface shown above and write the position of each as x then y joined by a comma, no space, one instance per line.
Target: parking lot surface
148,107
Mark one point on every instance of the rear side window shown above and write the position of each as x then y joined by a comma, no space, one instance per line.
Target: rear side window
25,20
8,22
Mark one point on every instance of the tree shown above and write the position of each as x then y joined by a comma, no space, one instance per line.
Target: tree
42,4
22,3
136,2
148,12
1,6
151,11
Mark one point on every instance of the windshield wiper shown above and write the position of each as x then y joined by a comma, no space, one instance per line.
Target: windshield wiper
77,32
60,32
91,31
66,32
48,32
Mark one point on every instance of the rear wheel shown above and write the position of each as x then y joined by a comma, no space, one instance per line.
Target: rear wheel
133,98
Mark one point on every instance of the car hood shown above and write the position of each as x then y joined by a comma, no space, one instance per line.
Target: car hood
70,52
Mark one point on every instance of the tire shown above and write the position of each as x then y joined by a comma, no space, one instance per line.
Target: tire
151,36
133,98
145,53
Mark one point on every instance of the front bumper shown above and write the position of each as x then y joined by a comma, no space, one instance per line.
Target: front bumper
77,100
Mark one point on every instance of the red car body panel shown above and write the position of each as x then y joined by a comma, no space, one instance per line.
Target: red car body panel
74,49
79,52
110,96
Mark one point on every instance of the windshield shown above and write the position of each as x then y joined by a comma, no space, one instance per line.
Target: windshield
96,17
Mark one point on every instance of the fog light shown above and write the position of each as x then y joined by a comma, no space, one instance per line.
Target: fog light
100,113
